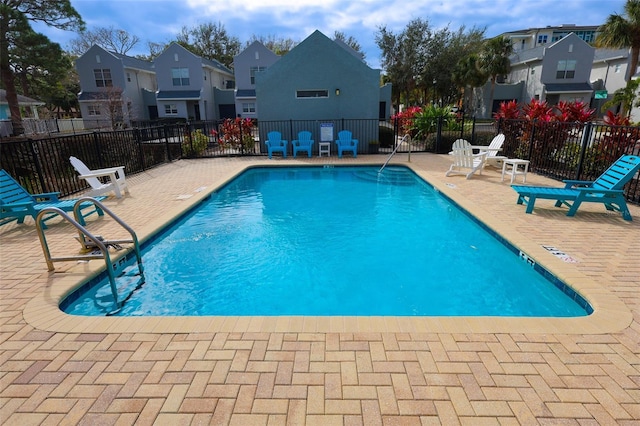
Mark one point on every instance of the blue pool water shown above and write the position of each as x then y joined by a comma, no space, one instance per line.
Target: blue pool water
332,241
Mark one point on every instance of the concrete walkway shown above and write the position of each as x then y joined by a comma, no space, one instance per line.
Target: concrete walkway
61,369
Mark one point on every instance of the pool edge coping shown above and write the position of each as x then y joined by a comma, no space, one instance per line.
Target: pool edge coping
610,313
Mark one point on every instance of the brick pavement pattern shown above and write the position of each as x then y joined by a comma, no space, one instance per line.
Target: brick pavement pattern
56,369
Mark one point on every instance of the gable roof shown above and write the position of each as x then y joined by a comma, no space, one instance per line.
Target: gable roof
602,55
306,54
127,61
211,63
131,62
22,100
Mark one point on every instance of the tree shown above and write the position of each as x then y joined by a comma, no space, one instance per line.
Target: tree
467,74
349,41
15,18
43,70
418,61
618,33
494,61
111,39
279,46
444,49
210,41
403,55
625,97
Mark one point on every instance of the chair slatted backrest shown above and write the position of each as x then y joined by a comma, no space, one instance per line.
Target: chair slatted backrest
304,137
345,136
462,153
274,137
495,145
11,191
82,169
620,172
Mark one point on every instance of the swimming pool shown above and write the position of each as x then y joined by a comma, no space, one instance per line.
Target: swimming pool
333,241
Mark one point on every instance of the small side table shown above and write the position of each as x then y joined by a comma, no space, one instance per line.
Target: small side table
514,167
324,148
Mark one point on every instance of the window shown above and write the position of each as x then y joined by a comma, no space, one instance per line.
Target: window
312,93
616,69
180,76
103,77
249,107
171,109
128,77
566,69
542,39
93,109
253,71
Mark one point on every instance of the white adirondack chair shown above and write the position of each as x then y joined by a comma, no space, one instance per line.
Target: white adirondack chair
115,178
465,162
493,159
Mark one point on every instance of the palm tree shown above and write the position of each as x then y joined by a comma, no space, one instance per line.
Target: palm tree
494,60
618,33
467,74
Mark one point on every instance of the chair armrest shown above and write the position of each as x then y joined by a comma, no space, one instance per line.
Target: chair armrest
485,148
47,196
572,183
104,172
16,205
599,191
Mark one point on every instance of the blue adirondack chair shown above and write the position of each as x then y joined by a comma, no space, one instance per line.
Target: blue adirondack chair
275,143
606,189
303,143
346,143
16,203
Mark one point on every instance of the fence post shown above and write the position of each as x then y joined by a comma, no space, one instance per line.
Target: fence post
165,131
138,138
586,137
241,141
36,160
96,143
439,134
532,138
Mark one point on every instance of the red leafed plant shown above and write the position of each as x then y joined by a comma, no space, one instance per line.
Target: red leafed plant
508,110
405,119
237,133
621,138
574,111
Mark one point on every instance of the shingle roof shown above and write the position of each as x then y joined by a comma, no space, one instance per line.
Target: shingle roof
246,93
179,94
568,87
131,62
22,100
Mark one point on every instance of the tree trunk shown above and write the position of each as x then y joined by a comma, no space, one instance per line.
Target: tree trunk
12,100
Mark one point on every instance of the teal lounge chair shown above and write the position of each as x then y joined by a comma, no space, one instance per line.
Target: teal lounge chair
607,189
275,143
303,143
16,203
346,143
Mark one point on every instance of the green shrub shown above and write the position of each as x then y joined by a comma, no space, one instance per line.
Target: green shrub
195,144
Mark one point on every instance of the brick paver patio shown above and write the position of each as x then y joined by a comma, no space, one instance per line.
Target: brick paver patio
59,369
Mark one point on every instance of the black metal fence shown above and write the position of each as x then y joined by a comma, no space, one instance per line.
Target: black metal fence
558,150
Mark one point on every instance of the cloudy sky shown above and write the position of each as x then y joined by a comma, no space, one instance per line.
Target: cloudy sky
160,20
